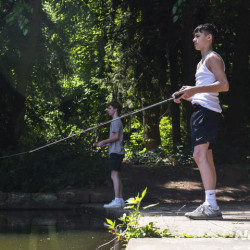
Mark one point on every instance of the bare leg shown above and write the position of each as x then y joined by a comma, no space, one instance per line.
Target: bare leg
212,166
204,159
115,176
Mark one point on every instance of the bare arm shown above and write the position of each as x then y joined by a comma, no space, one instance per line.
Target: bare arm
216,66
115,137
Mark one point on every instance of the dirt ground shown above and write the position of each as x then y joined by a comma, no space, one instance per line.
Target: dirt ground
182,184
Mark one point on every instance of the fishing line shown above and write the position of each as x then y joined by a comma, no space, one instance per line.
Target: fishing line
91,128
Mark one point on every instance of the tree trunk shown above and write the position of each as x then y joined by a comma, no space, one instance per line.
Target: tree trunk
190,59
151,123
235,130
24,74
175,108
6,94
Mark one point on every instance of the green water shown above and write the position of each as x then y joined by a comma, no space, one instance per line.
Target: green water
68,240
52,231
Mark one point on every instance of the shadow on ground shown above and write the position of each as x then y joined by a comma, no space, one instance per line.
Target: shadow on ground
182,184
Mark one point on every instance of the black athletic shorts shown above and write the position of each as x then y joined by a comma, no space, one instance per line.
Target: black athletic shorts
115,162
204,125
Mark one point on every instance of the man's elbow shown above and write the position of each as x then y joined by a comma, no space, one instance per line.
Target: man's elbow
116,137
226,87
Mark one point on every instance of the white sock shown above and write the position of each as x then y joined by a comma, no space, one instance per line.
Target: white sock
211,199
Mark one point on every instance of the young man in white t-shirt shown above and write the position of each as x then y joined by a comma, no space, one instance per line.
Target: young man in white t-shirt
210,80
116,153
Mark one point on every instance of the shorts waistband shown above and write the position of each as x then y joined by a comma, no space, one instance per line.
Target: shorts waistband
195,105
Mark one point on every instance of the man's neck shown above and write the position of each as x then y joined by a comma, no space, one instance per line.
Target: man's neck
205,52
115,115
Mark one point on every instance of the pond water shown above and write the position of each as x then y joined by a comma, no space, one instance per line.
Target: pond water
52,230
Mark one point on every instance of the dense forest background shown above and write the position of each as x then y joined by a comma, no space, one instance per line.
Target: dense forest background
61,61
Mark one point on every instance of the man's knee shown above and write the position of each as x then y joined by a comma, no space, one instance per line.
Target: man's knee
199,155
114,174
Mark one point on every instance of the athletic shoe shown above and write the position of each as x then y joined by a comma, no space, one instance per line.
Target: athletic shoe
115,204
204,212
123,204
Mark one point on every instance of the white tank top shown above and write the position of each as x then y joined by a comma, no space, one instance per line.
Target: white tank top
203,77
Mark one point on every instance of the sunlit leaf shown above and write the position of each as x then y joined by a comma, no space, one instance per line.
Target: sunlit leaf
152,205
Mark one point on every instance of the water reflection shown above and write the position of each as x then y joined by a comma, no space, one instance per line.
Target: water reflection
52,230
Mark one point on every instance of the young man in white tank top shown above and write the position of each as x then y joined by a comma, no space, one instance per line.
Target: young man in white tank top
210,80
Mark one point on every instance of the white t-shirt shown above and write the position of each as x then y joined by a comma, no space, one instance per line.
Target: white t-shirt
203,77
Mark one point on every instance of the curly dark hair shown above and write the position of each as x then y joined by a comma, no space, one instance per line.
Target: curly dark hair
115,105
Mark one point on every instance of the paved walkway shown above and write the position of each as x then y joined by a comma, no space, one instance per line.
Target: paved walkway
233,232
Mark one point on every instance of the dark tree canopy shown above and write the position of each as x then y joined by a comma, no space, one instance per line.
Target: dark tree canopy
61,61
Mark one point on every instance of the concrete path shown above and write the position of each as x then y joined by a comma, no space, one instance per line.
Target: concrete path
233,232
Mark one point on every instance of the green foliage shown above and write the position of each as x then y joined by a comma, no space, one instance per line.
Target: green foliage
18,16
138,154
129,227
156,157
134,144
53,169
166,134
89,52
182,156
152,157
176,11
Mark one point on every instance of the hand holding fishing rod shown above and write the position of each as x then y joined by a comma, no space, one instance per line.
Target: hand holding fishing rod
101,145
185,93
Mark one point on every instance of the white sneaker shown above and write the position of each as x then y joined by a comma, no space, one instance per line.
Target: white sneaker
123,203
115,204
204,212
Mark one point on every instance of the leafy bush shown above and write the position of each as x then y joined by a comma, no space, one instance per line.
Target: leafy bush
153,157
53,169
137,153
166,134
134,144
183,156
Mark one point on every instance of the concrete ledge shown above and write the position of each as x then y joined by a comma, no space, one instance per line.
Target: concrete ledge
188,244
232,232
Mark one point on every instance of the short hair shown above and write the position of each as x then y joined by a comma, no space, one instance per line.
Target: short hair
207,28
115,105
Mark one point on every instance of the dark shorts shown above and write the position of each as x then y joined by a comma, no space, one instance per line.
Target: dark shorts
204,126
115,162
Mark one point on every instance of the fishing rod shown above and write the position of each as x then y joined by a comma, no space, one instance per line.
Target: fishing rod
94,127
